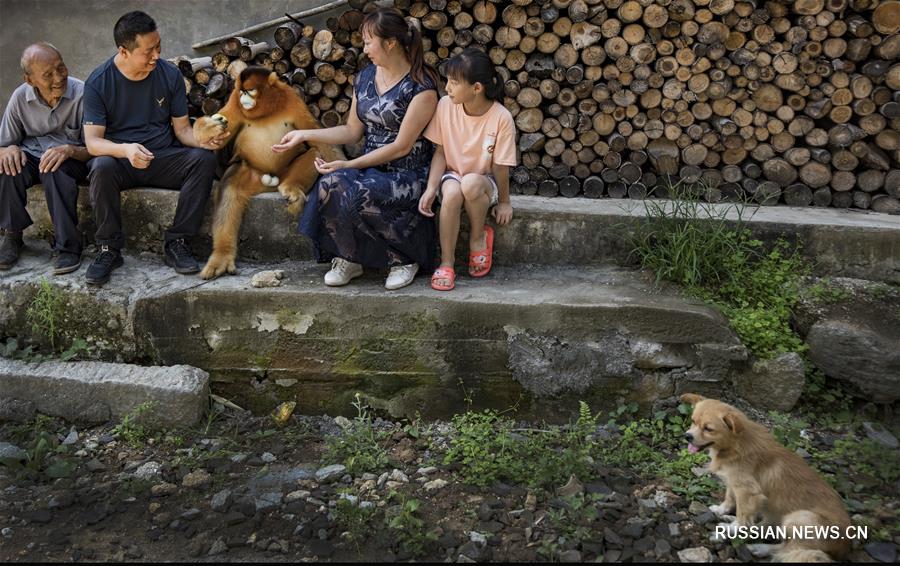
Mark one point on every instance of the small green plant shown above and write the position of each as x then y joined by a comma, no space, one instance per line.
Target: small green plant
408,527
132,429
45,457
355,520
360,447
573,520
46,311
827,292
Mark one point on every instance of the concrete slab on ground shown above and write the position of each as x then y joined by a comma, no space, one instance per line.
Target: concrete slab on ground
97,391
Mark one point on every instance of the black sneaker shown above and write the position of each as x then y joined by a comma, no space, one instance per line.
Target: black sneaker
11,244
66,262
179,256
99,270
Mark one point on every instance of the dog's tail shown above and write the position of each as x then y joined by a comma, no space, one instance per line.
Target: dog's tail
798,554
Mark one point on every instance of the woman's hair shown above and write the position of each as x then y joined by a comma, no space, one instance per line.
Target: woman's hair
388,23
474,66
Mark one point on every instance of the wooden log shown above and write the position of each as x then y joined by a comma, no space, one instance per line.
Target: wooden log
594,187
569,186
248,53
798,194
232,45
885,204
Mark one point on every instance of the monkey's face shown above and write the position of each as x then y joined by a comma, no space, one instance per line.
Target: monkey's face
251,89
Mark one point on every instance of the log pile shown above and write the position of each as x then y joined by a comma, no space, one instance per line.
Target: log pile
794,102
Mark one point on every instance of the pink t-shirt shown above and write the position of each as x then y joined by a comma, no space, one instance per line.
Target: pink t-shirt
472,144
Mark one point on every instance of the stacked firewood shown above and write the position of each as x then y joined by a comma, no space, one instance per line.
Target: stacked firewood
795,101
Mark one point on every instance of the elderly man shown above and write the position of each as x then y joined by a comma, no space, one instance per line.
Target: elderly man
136,123
40,140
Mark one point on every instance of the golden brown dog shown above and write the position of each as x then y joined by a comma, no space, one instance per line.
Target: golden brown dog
767,484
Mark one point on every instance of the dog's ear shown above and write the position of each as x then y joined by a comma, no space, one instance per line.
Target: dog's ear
691,398
734,421
273,78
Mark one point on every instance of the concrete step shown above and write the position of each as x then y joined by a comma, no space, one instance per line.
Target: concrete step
536,337
558,231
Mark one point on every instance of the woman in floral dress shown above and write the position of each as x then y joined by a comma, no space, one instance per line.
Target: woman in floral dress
364,212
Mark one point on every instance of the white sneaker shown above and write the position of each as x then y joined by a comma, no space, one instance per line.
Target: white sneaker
401,276
342,271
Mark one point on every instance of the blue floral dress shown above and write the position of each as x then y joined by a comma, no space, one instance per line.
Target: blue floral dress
371,216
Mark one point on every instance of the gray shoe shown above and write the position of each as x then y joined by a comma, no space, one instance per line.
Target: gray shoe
11,244
66,262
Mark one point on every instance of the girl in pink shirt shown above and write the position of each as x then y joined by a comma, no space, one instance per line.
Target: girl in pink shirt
475,145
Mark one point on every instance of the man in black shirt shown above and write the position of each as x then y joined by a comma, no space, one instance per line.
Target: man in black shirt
136,124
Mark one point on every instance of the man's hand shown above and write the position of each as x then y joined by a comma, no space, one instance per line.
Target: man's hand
138,155
217,141
54,157
12,159
503,213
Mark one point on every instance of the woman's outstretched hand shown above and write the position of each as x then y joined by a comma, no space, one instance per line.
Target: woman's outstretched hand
324,167
290,139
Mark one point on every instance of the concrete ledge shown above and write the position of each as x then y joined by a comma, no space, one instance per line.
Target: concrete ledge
557,231
97,391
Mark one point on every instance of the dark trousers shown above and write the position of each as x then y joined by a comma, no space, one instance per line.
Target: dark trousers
189,170
61,190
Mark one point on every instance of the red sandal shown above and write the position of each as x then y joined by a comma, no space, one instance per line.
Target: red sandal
447,274
480,261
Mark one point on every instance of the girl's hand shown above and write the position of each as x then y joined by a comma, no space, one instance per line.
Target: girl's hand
503,213
290,139
425,203
324,167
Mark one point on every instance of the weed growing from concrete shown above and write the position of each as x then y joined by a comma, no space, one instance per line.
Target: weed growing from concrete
46,312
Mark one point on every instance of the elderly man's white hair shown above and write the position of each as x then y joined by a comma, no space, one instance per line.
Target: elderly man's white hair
33,50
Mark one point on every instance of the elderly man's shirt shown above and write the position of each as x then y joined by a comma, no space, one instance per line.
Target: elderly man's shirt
31,124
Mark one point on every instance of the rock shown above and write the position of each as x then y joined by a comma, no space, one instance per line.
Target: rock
773,385
272,278
632,530
882,551
463,559
880,435
426,471
7,532
435,485
268,500
191,514
147,470
11,451
570,556
696,554
343,422
16,410
697,508
268,457
647,504
331,473
61,500
860,353
530,502
220,501
218,547
611,537
662,547
163,489
398,476
298,495
95,465
197,479
234,517
71,438
572,488
477,538
321,548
